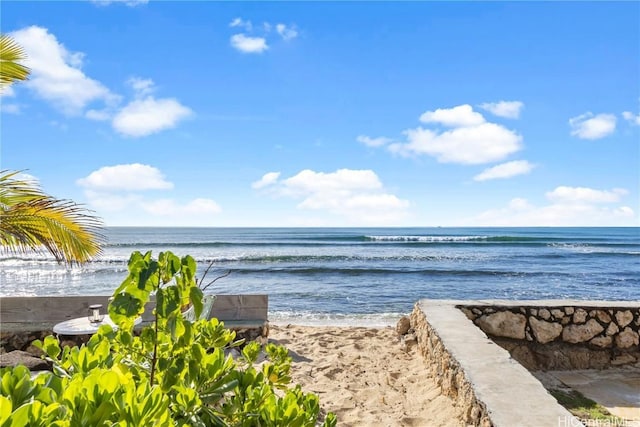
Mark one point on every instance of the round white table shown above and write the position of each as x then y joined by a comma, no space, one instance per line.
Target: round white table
82,326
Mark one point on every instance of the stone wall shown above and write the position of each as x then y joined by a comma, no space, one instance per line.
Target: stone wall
21,340
447,372
562,337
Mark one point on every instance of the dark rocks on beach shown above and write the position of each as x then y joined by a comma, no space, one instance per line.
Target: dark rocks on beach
18,357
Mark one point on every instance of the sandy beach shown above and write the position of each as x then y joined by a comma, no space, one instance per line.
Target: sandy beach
364,376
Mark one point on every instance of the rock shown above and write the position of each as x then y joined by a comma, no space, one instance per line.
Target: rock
557,313
403,326
568,310
603,316
581,333
612,329
503,324
602,342
627,338
534,311
544,313
545,331
19,357
468,313
580,316
624,318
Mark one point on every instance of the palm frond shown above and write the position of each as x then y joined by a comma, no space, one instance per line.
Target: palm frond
11,53
31,220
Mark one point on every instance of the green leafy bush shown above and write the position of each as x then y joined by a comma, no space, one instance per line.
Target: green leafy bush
174,373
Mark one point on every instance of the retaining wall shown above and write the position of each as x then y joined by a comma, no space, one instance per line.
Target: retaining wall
563,335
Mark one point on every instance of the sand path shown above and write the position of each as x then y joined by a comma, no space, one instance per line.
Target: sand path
364,376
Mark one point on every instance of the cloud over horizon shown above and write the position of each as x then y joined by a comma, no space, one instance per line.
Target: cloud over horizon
568,207
356,195
120,189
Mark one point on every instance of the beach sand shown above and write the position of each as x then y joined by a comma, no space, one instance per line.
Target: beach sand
364,376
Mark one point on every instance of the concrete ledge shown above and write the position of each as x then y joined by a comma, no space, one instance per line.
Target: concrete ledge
488,387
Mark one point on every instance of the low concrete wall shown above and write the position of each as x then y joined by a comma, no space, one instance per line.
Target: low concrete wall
545,335
447,372
488,387
25,319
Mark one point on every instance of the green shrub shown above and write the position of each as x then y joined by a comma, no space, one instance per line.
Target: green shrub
174,373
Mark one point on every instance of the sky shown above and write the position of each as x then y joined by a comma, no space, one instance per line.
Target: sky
257,114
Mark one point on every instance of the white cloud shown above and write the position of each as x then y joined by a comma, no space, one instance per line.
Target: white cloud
287,33
483,143
357,195
117,194
247,44
472,140
588,126
55,72
266,180
507,109
565,194
505,170
633,118
56,76
141,86
569,206
131,177
143,117
462,115
239,22
373,142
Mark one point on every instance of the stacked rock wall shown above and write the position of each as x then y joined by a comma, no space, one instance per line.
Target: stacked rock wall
562,337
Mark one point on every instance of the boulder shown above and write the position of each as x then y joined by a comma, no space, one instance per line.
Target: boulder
602,342
624,318
545,331
579,316
18,357
581,333
627,338
503,324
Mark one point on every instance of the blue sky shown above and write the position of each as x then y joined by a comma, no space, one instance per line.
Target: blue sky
330,113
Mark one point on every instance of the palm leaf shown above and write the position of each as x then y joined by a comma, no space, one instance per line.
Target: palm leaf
11,53
31,220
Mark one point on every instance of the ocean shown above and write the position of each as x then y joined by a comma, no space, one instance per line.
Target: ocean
366,276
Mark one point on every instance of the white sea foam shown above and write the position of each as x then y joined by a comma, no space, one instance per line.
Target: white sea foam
426,238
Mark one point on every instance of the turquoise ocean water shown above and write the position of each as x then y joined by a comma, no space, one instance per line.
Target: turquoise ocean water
362,275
